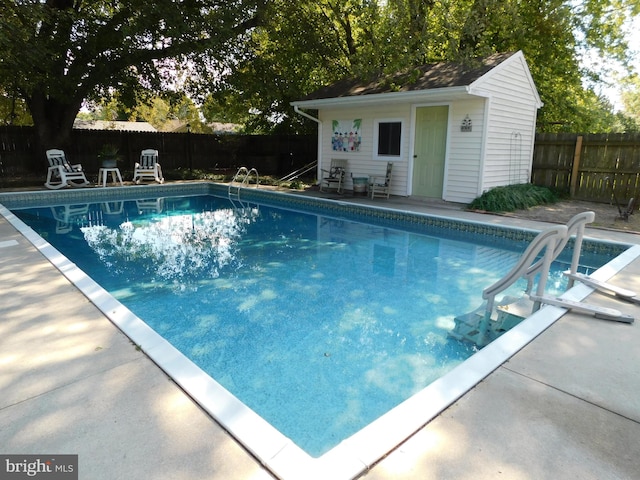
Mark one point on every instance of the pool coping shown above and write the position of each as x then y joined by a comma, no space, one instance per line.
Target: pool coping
357,453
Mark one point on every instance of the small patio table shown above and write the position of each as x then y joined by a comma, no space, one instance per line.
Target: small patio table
103,175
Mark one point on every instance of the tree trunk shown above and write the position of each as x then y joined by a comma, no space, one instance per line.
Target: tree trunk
53,123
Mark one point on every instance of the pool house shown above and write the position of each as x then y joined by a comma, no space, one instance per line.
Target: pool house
452,130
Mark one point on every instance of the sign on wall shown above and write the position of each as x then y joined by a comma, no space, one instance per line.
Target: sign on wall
346,135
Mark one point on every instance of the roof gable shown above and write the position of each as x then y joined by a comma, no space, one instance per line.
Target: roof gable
426,77
518,62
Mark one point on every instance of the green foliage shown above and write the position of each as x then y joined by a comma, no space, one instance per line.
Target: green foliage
308,44
631,101
513,197
227,176
196,174
108,150
165,113
300,47
246,60
56,55
13,110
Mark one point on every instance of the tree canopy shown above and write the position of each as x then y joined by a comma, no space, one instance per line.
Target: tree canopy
244,61
309,43
165,114
57,54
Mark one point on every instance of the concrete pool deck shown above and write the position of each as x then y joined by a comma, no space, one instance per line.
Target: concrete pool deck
566,405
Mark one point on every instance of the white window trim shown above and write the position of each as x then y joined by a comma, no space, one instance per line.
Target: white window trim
376,130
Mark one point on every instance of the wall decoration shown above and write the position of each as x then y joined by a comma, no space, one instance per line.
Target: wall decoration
466,125
346,135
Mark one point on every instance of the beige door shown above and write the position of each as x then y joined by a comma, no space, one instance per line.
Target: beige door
430,150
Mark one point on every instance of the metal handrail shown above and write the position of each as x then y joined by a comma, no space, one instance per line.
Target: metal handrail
245,174
301,171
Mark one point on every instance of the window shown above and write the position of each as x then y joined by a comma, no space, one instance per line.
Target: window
389,134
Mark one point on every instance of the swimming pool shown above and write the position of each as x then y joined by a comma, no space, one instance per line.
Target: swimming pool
330,230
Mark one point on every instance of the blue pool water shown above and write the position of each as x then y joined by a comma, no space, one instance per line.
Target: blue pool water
320,324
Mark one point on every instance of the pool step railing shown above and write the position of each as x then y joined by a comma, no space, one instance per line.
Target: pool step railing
603,313
483,325
241,179
623,293
298,173
480,326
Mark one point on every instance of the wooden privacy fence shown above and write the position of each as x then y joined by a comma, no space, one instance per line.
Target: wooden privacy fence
596,167
270,154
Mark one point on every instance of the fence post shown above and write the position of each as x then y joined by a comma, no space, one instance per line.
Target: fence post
575,167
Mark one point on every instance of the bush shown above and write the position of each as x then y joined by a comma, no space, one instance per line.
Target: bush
513,197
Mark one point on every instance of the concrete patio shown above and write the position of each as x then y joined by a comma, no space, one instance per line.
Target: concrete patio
566,406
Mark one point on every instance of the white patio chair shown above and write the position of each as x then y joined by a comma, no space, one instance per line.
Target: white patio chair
61,173
148,167
335,175
379,185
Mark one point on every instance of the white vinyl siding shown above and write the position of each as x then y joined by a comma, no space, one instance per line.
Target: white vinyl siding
465,151
502,106
364,163
510,126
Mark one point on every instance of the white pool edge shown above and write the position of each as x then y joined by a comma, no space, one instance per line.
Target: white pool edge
275,451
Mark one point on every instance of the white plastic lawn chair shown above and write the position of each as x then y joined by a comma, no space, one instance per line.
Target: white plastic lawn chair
61,173
148,167
379,185
334,177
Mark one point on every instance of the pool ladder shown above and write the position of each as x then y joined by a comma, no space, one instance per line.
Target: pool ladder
241,179
481,326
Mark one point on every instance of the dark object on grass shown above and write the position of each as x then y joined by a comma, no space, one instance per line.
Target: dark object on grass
631,206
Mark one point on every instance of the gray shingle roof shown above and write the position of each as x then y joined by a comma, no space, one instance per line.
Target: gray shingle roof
425,77
113,125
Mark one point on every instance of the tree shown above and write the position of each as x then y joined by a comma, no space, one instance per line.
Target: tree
300,46
13,110
307,44
59,53
166,113
631,102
